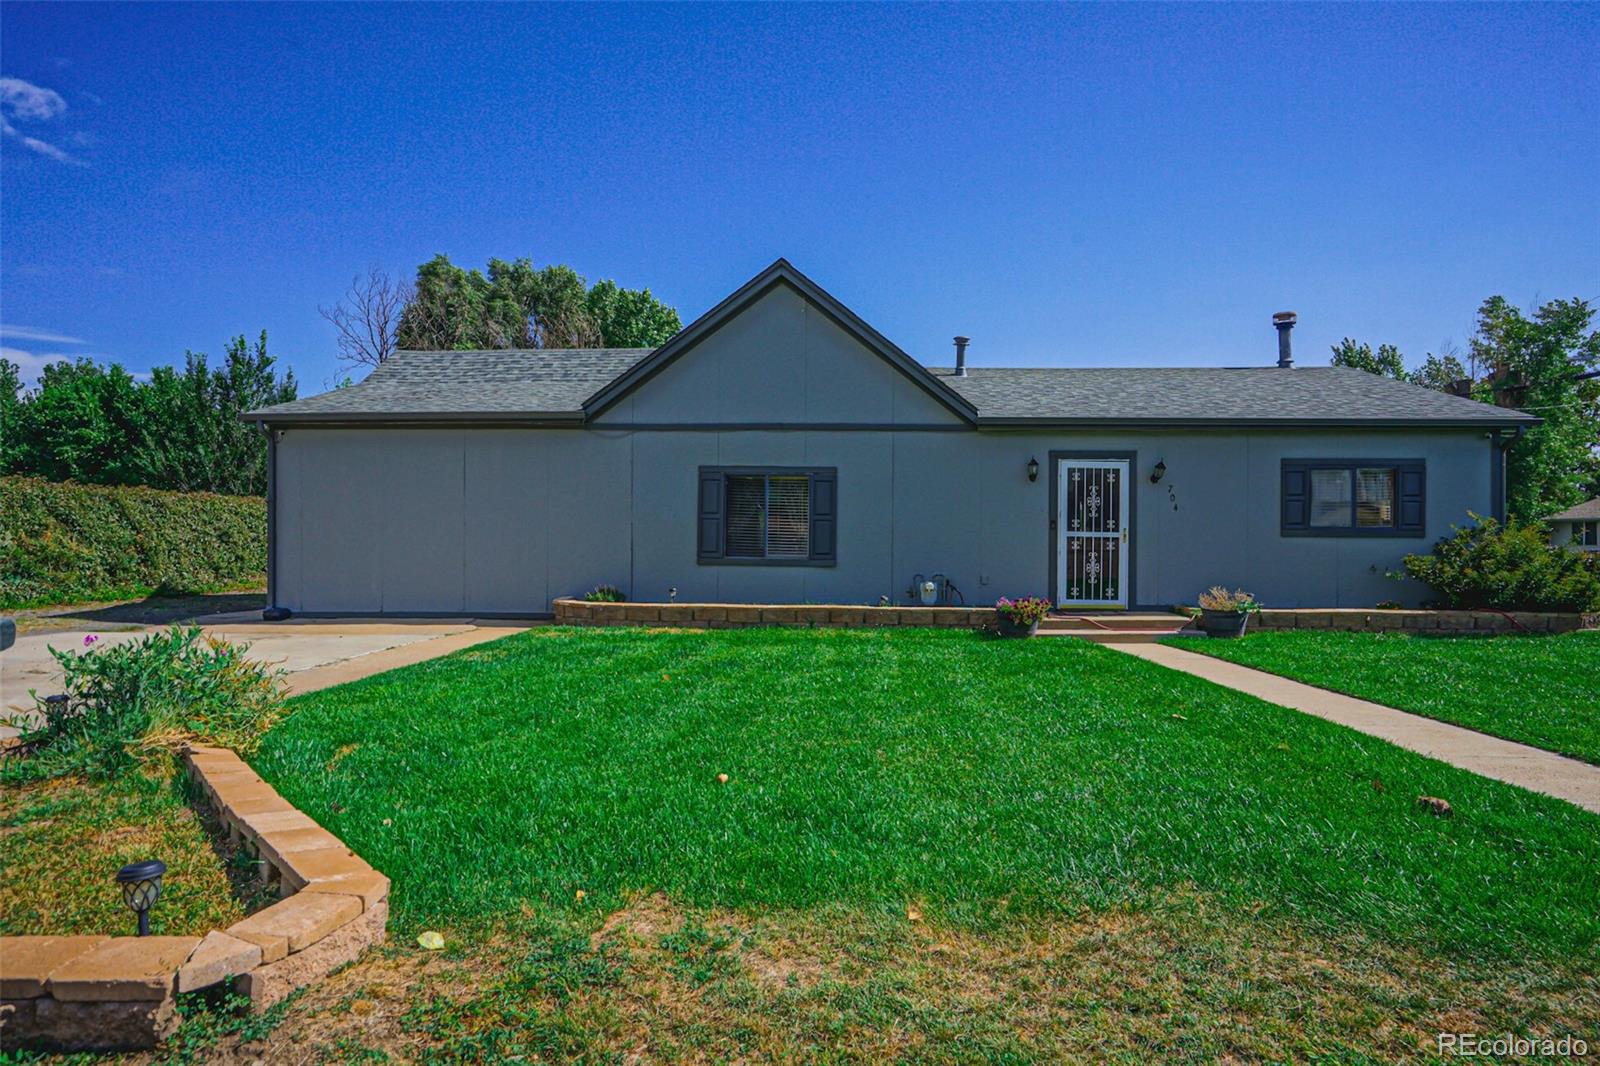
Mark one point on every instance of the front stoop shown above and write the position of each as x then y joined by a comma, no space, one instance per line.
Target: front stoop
1121,627
95,993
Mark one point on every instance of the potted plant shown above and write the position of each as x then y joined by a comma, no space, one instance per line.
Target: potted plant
1224,613
1020,617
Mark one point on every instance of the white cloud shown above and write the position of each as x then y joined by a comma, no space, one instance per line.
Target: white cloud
45,148
29,333
29,364
24,101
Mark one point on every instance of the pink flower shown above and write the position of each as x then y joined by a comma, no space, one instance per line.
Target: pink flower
90,639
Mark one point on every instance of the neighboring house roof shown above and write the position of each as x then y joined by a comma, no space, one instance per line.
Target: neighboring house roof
1588,511
574,385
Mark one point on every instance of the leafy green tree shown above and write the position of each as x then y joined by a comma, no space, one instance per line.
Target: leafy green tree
80,424
193,439
1442,373
10,401
180,430
630,318
448,310
518,305
1386,362
1538,365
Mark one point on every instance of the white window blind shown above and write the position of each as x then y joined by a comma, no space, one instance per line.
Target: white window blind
1375,496
788,516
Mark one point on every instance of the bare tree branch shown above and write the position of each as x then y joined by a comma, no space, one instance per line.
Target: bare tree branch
368,318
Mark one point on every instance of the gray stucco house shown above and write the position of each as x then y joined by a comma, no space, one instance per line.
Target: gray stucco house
1577,527
781,450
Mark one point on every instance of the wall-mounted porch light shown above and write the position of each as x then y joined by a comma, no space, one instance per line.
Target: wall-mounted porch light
141,887
1033,469
1158,473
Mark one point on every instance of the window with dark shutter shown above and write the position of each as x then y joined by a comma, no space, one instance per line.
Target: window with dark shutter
778,516
1352,497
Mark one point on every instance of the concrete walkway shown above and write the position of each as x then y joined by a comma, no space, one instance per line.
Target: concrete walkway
1516,764
313,653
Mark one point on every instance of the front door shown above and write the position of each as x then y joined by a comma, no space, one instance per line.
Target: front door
1092,533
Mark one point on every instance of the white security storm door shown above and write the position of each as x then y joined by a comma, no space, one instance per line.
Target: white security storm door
1092,533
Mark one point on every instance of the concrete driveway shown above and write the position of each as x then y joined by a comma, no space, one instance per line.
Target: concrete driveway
315,653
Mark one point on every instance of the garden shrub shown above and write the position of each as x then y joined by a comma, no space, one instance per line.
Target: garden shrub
61,542
146,697
604,594
1510,568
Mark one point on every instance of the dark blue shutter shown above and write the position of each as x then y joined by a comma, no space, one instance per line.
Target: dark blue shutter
1296,497
1411,489
710,513
824,516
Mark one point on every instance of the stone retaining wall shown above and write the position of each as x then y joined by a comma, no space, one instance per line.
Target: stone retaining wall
732,615
1439,623
737,615
103,993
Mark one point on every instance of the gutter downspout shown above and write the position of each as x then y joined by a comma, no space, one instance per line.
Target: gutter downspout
1499,445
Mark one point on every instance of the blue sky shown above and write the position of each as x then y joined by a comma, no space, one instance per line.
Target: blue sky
1068,185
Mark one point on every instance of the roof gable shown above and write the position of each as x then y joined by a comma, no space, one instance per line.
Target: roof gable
780,273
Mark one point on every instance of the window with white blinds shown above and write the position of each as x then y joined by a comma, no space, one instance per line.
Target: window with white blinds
778,515
1353,498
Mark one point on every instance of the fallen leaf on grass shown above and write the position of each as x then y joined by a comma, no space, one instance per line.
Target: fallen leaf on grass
430,940
1180,717
913,914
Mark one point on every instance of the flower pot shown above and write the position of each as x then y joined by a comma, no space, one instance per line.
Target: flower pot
1228,624
1006,626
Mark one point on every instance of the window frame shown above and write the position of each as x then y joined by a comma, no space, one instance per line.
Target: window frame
1410,507
1584,526
822,495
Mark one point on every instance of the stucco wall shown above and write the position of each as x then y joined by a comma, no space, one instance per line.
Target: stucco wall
505,520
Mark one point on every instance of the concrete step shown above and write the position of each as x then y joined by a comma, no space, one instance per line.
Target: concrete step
1056,623
1114,636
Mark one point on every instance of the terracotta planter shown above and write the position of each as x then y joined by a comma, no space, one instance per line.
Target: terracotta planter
1008,628
1226,624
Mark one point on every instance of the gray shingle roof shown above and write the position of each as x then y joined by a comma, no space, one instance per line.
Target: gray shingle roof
552,384
1587,511
1195,395
509,381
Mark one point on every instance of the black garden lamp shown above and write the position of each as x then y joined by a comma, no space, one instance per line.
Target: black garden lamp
1159,472
1033,469
141,887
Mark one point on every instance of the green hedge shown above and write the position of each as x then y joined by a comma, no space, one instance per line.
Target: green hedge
64,543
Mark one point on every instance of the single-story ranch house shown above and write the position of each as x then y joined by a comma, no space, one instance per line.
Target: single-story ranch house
1577,527
781,450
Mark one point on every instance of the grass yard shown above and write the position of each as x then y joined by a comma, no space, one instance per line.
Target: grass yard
930,846
1543,691
62,842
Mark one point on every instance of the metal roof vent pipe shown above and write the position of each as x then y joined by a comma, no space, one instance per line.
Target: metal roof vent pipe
961,356
1285,321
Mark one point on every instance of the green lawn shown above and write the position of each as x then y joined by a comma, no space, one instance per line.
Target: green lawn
1543,691
968,776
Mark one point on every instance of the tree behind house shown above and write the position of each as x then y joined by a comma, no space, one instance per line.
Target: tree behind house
180,430
516,305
